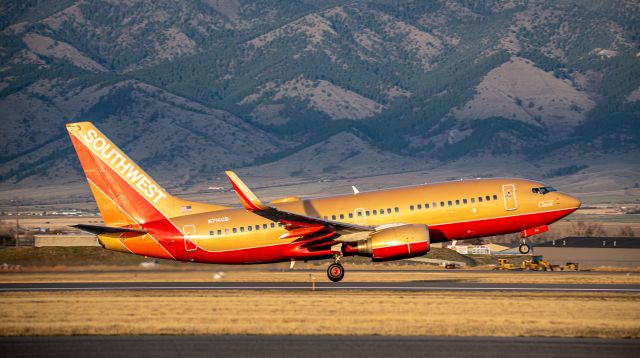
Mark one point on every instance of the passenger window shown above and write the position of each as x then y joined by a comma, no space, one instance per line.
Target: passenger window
264,226
359,213
457,202
434,204
235,230
381,211
211,232
388,210
411,207
333,217
375,212
241,228
464,201
397,210
367,213
442,203
479,199
249,228
273,225
341,216
279,224
426,206
495,197
449,202
326,217
219,232
419,206
473,200
257,227
350,215
487,197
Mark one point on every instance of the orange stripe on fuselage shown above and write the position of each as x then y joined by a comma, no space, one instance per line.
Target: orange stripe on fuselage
147,246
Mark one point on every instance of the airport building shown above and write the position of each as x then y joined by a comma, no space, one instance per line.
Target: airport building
65,240
590,252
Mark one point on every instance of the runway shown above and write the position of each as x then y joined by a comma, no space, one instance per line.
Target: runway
321,286
312,346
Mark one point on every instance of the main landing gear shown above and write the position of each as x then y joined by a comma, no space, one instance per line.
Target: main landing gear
524,248
335,271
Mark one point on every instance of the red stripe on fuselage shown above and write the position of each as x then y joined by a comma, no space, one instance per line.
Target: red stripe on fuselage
494,226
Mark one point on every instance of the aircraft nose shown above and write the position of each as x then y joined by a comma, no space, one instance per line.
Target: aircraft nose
572,201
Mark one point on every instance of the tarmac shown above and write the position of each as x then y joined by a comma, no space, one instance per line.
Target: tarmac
313,346
324,286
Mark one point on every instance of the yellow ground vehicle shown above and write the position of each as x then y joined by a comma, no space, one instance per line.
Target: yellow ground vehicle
536,264
570,266
503,264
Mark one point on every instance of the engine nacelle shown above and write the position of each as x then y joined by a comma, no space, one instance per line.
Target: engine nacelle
394,243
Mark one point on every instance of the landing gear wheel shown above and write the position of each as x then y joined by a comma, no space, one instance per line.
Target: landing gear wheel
524,249
335,272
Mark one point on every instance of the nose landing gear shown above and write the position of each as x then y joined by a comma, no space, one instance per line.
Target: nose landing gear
524,248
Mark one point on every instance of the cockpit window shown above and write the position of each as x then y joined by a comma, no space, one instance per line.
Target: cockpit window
543,190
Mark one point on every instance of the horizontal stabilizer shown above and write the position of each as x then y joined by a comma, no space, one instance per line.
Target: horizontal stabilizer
97,229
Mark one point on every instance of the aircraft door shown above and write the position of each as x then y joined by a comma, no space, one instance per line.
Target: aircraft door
190,239
509,195
360,215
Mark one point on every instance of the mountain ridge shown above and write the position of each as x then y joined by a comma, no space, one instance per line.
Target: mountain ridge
235,83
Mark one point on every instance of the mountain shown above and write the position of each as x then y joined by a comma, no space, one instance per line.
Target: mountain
318,88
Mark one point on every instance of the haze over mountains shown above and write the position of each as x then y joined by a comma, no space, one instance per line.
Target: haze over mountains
320,88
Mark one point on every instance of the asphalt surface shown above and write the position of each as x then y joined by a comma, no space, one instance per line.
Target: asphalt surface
293,286
313,346
322,272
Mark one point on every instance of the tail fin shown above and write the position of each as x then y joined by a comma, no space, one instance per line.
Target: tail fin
126,195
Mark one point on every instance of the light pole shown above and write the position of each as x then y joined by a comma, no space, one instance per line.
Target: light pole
17,220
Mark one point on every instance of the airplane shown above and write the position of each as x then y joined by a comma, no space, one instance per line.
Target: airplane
141,218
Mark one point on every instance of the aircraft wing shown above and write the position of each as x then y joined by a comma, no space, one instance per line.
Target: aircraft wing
296,224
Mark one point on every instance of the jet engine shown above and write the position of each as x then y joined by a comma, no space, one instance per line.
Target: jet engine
394,243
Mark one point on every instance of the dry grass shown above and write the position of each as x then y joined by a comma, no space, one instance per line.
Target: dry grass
320,275
610,315
53,222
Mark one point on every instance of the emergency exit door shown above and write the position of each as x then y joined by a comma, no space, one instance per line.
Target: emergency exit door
509,195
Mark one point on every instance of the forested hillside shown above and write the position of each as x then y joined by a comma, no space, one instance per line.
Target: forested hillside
189,88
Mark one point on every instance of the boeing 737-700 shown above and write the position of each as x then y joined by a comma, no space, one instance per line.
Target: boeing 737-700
140,217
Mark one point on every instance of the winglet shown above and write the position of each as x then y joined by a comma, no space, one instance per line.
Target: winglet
248,200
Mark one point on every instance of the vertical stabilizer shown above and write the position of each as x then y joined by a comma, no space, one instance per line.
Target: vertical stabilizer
126,195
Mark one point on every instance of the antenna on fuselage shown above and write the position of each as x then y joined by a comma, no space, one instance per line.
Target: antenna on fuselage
355,190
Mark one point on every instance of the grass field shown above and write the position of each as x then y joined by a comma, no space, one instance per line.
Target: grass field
609,315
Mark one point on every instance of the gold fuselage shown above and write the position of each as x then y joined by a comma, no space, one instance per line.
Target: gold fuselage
236,229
